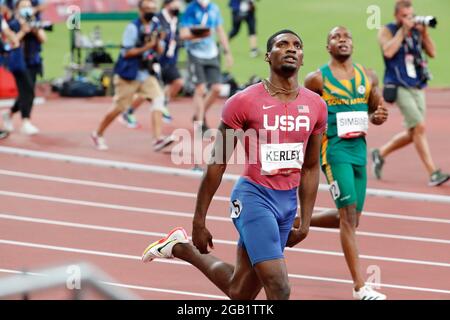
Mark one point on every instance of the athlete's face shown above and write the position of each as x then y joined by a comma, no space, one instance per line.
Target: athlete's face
286,54
340,43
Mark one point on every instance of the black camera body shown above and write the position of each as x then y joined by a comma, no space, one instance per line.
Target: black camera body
45,25
38,24
149,59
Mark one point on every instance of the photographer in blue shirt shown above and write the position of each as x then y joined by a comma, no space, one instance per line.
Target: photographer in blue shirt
200,22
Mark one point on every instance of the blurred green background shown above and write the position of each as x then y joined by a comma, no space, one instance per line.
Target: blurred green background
312,19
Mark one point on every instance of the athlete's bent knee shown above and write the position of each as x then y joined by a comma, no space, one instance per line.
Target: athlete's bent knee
277,289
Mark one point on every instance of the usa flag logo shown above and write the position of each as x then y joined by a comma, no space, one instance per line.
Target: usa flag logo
303,109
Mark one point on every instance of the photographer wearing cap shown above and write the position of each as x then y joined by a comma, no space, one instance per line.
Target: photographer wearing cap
404,43
135,75
25,63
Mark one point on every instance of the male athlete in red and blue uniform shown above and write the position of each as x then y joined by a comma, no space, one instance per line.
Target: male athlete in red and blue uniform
283,125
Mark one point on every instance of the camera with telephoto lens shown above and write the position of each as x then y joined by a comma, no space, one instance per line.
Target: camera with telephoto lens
428,21
37,24
45,25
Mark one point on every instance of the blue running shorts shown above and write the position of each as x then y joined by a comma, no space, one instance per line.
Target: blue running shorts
263,217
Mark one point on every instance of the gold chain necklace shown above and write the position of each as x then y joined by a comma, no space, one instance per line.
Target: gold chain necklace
278,90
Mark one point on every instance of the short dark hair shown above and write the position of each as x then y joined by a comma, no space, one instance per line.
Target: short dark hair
400,4
271,40
141,2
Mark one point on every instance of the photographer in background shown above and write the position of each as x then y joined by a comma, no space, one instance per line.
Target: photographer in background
404,43
201,21
6,33
25,63
169,74
244,10
135,74
38,7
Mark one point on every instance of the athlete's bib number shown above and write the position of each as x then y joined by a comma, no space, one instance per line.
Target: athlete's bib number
283,158
352,124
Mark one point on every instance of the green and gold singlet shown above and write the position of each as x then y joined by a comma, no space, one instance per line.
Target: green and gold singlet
347,100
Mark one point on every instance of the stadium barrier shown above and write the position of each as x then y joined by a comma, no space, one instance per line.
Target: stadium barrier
90,277
195,174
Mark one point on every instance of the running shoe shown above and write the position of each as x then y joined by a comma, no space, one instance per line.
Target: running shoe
28,128
99,142
163,142
163,248
7,121
167,118
377,163
3,134
367,293
438,178
129,120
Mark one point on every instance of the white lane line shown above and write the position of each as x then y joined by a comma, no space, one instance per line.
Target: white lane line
184,293
97,184
382,285
130,257
209,217
220,241
90,183
386,236
105,205
130,286
194,174
156,234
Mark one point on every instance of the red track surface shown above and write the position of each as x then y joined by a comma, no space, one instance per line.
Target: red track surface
413,268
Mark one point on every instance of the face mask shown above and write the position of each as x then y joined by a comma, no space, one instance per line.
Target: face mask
26,12
203,3
175,12
148,16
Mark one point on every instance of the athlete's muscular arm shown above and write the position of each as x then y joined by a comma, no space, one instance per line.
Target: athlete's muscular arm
307,190
314,82
201,237
378,113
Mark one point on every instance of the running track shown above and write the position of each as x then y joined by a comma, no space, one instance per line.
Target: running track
55,213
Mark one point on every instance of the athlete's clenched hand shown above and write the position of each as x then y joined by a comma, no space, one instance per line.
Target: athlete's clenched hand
296,236
298,233
380,115
202,238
